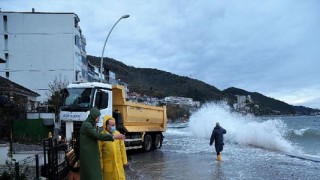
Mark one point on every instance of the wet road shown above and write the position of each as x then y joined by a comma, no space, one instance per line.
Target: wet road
161,165
185,157
177,159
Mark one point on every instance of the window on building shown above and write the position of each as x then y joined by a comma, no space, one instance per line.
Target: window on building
77,40
84,47
77,74
7,74
5,42
6,56
76,21
84,60
5,22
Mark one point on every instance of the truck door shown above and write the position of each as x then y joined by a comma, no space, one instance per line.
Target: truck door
103,101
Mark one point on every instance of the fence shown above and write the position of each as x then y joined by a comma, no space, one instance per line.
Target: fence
53,167
51,164
28,168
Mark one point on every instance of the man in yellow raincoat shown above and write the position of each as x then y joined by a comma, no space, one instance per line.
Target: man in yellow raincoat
113,154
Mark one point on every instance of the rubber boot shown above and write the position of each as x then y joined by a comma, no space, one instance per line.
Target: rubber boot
219,157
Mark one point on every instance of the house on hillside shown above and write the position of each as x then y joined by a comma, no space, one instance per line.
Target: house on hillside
182,101
242,103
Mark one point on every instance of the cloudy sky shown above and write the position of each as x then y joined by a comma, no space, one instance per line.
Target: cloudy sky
266,46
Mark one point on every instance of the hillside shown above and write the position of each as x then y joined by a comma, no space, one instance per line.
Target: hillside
270,104
305,110
160,84
157,83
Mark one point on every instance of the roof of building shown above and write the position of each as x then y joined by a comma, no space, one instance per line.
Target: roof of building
35,12
89,85
7,86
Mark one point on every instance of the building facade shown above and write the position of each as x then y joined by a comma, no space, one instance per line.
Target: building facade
38,47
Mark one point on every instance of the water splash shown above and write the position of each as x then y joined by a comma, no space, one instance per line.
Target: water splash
241,129
306,133
300,132
179,132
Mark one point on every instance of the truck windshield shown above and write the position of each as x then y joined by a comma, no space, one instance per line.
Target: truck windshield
78,97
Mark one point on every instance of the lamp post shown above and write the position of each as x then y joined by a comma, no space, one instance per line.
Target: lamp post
101,63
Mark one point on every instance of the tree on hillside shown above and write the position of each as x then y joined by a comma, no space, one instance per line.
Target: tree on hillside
55,98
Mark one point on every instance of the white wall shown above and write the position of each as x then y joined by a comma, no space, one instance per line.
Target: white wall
40,115
41,47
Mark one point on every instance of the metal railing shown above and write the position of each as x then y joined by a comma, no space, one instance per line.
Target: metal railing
50,164
27,168
54,166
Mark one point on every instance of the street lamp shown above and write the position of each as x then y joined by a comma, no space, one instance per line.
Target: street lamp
101,65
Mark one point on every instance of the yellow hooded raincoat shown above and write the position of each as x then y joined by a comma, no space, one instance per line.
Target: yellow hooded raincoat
113,156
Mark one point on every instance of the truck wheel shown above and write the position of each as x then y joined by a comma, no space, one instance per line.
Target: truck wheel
157,143
147,143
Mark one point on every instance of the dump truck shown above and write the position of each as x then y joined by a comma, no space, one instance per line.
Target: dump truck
143,125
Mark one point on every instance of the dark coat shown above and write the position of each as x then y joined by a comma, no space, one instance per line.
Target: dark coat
217,137
89,150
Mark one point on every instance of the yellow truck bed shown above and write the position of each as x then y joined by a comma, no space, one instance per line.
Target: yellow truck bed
138,117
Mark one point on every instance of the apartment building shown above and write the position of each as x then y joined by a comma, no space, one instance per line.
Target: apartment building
37,47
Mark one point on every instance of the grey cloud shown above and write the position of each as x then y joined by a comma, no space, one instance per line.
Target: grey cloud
265,46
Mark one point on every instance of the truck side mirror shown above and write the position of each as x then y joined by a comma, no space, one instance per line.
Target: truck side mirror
64,94
101,100
98,99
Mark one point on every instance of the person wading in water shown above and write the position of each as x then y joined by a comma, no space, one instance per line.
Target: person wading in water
217,138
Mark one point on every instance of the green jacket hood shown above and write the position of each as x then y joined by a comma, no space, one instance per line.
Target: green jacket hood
94,113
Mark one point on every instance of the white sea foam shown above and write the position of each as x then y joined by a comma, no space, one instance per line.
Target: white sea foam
244,130
300,132
178,132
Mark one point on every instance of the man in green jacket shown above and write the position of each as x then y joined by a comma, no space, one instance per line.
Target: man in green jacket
89,150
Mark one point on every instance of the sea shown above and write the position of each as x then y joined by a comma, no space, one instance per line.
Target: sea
277,147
